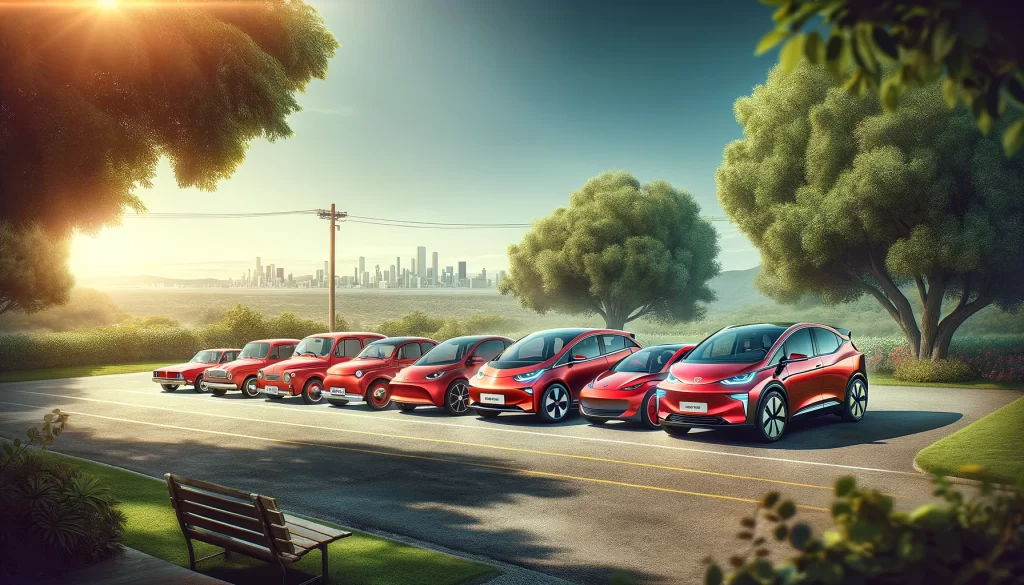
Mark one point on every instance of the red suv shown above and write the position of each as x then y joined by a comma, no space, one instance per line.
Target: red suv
241,373
367,376
441,376
764,376
171,377
544,372
304,373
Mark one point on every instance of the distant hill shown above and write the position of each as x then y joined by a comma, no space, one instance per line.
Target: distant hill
735,290
148,280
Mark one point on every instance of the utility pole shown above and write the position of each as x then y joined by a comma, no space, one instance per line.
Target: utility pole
334,216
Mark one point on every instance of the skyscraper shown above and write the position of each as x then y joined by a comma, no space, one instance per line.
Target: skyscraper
393,274
280,276
421,261
362,267
434,276
462,271
259,272
412,266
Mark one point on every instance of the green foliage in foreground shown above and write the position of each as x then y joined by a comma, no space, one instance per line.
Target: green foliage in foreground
913,370
77,371
993,442
968,541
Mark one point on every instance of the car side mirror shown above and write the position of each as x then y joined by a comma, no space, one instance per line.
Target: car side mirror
579,358
475,360
796,357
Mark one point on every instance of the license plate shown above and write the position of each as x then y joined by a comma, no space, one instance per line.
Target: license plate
693,407
271,390
335,391
492,398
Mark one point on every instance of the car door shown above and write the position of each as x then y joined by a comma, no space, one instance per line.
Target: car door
833,377
615,348
584,362
345,350
802,378
407,354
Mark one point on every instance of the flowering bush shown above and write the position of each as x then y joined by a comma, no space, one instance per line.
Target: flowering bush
993,358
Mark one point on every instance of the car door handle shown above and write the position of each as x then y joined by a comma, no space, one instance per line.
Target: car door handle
818,366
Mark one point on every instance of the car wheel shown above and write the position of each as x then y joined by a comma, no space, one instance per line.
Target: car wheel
456,398
488,413
554,404
169,387
379,395
200,384
676,431
595,421
335,402
249,388
649,411
856,403
313,391
772,417
406,407
275,397
218,392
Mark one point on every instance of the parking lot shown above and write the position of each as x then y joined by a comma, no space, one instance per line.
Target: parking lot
572,500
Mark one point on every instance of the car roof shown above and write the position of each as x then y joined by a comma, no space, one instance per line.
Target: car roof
475,338
404,339
675,346
281,340
337,334
223,349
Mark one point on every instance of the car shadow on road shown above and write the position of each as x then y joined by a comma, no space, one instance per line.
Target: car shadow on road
828,432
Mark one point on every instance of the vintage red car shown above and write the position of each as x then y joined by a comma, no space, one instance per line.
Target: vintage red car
304,373
441,377
366,378
241,373
191,373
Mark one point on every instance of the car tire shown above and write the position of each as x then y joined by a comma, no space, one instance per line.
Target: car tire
218,392
335,402
772,417
456,398
595,421
487,413
378,395
249,387
649,411
405,407
169,387
555,403
275,397
855,403
313,391
675,431
200,385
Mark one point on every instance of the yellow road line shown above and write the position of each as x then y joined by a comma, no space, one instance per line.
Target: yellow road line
451,442
427,458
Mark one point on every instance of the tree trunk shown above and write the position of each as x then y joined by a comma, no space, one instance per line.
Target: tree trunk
614,321
895,303
931,301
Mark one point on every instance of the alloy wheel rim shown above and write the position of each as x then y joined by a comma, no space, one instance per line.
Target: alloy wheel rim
459,400
858,399
379,394
202,385
773,421
316,392
557,403
652,410
250,388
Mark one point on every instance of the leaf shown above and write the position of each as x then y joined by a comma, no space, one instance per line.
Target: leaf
890,94
950,91
834,48
1016,89
747,522
814,48
787,509
783,12
791,53
885,42
17,443
1013,138
799,536
845,486
770,40
736,561
943,40
713,576
8,449
841,509
745,535
47,418
770,499
781,532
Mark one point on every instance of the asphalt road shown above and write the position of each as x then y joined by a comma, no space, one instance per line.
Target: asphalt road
571,500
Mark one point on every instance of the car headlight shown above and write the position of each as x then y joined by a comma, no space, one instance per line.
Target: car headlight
228,374
633,387
359,373
287,377
181,376
259,374
528,376
590,384
672,379
741,379
479,374
435,375
742,398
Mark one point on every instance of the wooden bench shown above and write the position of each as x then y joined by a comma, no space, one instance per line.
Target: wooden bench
248,524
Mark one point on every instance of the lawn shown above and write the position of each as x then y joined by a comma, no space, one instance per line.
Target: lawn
359,559
77,372
888,380
992,442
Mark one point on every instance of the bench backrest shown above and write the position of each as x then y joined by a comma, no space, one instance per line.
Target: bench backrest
244,522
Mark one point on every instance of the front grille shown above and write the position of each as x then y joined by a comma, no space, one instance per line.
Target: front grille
689,419
168,375
272,377
216,373
606,412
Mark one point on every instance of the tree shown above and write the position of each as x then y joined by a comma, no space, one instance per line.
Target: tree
975,45
621,250
33,269
91,97
844,199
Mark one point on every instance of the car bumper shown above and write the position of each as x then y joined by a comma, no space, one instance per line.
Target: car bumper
612,404
343,388
502,399
221,385
703,408
407,393
171,381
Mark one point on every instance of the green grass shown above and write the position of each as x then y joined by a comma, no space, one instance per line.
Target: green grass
889,380
993,443
359,559
78,371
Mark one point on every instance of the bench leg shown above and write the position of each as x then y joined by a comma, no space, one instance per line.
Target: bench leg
191,554
227,554
284,573
323,564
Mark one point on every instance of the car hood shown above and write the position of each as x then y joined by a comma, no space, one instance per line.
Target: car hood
182,368
697,373
612,380
493,372
241,364
419,373
299,363
348,368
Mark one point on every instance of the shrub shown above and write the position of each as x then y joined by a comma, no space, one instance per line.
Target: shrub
416,323
912,370
153,322
53,517
969,541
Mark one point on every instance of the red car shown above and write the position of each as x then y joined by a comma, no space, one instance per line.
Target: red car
241,373
366,378
441,376
191,372
627,390
544,372
304,373
764,376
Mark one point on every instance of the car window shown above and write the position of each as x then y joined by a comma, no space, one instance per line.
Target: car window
613,343
409,351
286,351
799,342
587,348
426,346
351,347
825,341
490,349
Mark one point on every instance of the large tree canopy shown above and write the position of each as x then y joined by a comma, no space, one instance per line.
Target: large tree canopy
621,250
844,199
92,97
33,269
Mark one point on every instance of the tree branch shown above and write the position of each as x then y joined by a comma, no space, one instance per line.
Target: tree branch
644,310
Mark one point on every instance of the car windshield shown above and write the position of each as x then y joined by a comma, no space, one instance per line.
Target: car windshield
449,352
380,351
255,350
649,360
534,349
318,346
205,357
741,345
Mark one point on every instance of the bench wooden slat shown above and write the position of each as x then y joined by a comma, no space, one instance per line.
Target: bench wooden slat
246,522
257,538
212,487
299,542
325,530
315,536
239,546
246,508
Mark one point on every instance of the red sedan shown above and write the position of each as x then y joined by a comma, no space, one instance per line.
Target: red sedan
764,376
304,373
544,372
241,373
441,376
367,377
627,391
191,372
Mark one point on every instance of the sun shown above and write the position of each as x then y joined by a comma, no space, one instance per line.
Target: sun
107,4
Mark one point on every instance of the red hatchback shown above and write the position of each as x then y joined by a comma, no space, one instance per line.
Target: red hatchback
544,372
763,376
304,373
241,373
191,372
368,375
627,391
441,376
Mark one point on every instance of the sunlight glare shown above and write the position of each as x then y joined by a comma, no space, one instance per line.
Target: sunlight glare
107,4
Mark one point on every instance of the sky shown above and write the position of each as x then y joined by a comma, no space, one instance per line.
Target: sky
463,111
